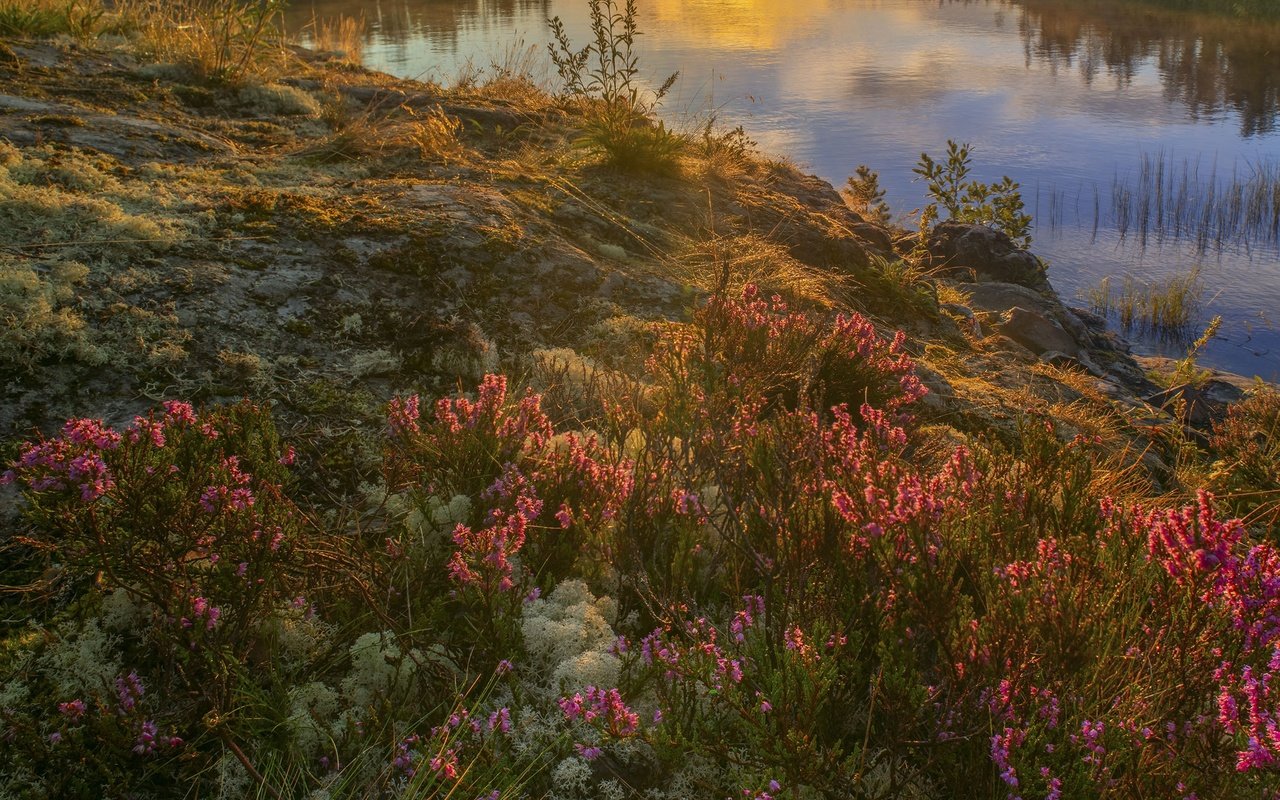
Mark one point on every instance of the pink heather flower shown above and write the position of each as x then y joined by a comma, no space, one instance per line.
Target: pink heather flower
403,761
90,433
500,720
177,412
564,516
588,752
402,415
55,737
145,744
72,710
290,455
446,764
129,691
202,610
504,666
1055,789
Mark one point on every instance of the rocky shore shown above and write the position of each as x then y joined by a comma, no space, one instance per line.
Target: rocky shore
333,236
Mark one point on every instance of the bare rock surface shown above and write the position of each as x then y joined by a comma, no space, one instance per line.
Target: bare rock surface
983,253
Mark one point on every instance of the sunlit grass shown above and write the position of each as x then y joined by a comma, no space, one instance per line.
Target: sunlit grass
1165,307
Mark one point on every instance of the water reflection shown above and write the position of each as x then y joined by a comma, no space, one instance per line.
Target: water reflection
398,22
1207,64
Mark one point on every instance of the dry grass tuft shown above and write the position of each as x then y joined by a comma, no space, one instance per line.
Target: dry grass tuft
342,36
729,263
383,135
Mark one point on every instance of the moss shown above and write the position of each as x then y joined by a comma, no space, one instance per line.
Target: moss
274,100
37,322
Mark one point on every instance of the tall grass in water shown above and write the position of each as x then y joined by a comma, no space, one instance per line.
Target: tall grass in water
341,34
1165,307
1171,201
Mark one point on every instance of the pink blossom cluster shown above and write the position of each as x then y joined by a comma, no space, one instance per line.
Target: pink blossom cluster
524,422
129,690
202,612
603,707
73,460
762,794
484,555
590,489
232,493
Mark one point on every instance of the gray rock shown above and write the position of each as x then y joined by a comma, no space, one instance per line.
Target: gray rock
989,255
1200,406
1038,333
1079,361
999,297
965,313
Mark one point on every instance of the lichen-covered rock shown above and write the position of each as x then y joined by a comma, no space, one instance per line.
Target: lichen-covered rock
985,253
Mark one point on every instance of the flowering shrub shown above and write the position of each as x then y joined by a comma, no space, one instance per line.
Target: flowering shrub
187,513
745,582
1247,447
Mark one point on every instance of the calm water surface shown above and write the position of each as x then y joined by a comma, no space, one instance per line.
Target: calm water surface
1068,99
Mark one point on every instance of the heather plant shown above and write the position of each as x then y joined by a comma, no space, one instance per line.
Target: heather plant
741,581
1246,447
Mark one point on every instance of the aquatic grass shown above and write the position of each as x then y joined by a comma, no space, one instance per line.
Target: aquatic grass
1165,307
343,35
1168,201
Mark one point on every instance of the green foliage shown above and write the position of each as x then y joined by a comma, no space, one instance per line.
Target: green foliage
898,285
865,196
631,143
1186,370
620,126
998,205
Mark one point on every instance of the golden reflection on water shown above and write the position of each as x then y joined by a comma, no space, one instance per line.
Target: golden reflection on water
740,24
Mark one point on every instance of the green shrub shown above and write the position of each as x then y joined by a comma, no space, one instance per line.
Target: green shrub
998,205
865,196
620,123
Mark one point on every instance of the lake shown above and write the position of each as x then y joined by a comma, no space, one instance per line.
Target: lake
1116,119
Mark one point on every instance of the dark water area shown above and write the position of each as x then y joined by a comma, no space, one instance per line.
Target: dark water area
1146,141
